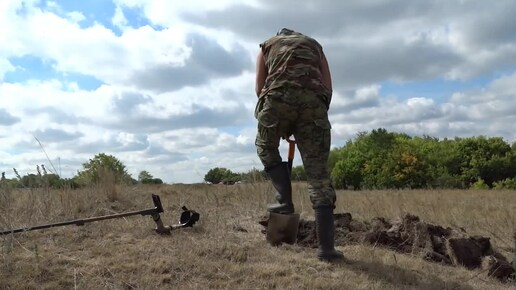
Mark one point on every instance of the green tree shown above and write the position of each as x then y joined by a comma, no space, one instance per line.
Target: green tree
219,174
382,159
53,180
102,165
144,175
30,181
488,159
362,162
152,181
347,172
406,166
442,162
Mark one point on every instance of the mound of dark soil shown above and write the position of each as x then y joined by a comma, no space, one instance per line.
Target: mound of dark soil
409,234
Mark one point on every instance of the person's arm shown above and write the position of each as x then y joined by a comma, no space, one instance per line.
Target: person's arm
261,73
326,75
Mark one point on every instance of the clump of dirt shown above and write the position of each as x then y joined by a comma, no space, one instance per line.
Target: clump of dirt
408,234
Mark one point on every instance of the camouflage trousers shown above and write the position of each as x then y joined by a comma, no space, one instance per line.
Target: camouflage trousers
305,116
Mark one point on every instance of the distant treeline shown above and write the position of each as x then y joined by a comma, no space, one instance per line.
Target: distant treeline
101,168
381,160
388,160
372,160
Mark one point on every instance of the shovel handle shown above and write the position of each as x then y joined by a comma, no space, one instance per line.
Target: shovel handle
291,151
291,148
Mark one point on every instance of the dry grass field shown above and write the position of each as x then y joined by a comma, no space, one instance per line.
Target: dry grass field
226,248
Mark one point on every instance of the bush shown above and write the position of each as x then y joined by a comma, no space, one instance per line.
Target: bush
479,184
103,167
151,181
218,175
442,179
508,183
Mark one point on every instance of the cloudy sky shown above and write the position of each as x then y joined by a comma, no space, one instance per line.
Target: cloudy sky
168,86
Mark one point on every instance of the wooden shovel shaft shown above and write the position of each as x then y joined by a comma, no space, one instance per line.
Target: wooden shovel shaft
291,152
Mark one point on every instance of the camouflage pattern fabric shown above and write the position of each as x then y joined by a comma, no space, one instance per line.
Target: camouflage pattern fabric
301,113
294,101
293,62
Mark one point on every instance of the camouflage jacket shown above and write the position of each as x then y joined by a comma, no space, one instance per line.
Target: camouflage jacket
293,62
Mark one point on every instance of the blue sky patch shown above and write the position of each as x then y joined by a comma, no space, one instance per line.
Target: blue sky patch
34,68
85,82
136,18
437,89
99,11
29,67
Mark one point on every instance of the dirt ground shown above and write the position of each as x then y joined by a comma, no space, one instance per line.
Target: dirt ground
408,234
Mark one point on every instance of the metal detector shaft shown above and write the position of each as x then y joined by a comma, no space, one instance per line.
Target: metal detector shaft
154,212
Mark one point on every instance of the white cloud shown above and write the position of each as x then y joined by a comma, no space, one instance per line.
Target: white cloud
5,66
119,19
484,111
176,96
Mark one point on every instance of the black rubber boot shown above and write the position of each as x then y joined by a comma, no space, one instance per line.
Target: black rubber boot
280,178
326,235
